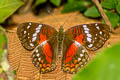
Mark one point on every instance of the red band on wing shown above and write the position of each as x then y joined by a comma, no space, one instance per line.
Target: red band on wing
43,30
48,31
48,53
46,48
79,38
74,31
79,31
42,38
71,52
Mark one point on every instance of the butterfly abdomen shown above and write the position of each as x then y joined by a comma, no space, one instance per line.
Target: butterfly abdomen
60,41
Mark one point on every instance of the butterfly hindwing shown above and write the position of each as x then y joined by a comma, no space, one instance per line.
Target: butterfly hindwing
32,34
75,56
44,57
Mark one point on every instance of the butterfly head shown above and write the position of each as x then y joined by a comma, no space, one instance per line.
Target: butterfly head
61,29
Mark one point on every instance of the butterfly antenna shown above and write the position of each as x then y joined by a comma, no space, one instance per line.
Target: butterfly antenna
52,15
67,19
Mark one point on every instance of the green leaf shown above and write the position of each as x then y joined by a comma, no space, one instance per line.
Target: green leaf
75,6
8,7
105,66
14,72
3,41
109,4
56,2
118,8
92,12
38,2
1,79
113,17
118,1
1,70
70,1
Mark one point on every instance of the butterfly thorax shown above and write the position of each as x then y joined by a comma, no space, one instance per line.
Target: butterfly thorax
60,41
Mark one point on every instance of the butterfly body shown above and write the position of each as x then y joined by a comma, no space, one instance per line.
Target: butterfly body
70,47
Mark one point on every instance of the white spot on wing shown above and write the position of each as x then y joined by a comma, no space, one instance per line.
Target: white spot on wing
35,34
96,34
24,32
79,59
31,44
83,51
34,38
96,24
84,25
39,59
28,33
28,26
37,31
43,42
95,37
89,35
90,45
77,43
37,51
86,31
81,55
30,23
89,39
100,32
38,55
39,27
98,27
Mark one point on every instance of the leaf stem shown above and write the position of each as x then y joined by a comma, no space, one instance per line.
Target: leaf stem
104,16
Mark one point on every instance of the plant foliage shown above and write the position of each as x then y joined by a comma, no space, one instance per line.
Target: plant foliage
112,8
105,66
8,7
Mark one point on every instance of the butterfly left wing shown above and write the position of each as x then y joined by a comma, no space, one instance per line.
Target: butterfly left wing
41,39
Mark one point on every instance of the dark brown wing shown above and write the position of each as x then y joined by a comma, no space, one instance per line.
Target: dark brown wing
79,38
41,38
32,34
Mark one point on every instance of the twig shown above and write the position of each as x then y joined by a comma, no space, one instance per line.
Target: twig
96,2
27,6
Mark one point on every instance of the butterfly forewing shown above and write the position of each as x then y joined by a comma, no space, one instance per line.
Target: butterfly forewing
32,34
92,36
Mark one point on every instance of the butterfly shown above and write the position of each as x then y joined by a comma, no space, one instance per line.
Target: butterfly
72,46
